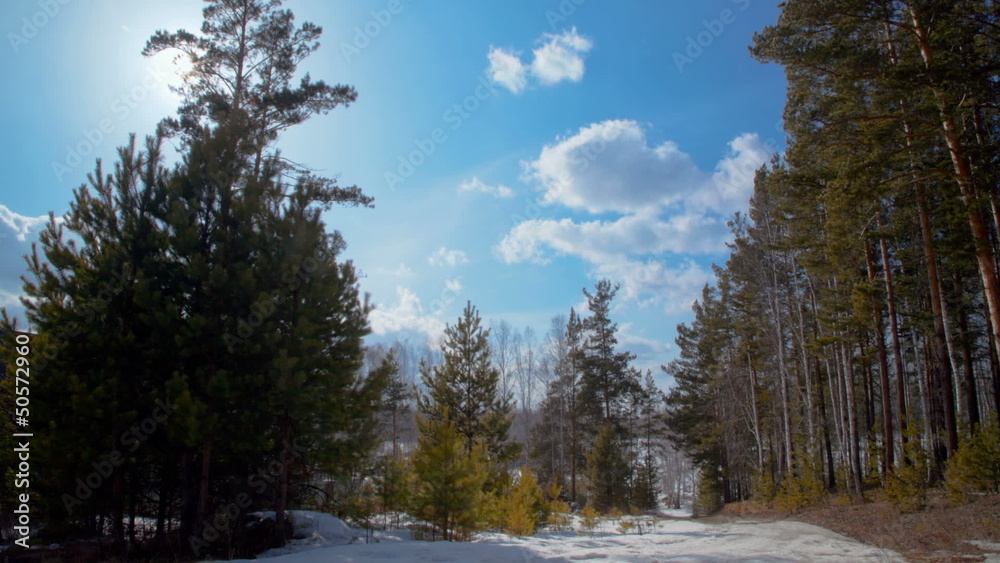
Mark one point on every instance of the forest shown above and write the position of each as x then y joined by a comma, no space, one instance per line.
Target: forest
199,353
856,321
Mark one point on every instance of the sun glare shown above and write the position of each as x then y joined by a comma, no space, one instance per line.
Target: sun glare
172,66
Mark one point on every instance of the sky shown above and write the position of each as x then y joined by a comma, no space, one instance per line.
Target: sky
518,151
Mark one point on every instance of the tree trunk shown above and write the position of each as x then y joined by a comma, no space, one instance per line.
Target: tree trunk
973,198
971,395
943,381
786,424
897,352
756,416
888,441
282,502
204,478
851,411
994,370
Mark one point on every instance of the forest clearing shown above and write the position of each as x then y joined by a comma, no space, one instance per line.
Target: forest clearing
648,281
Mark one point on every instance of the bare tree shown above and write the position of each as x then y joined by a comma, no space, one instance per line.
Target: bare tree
502,337
526,372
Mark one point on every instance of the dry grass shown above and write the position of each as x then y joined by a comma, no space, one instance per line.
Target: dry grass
939,532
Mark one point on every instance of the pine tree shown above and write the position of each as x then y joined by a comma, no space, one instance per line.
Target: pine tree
608,471
556,438
605,379
607,386
245,61
523,506
393,480
449,476
645,489
94,306
230,271
468,385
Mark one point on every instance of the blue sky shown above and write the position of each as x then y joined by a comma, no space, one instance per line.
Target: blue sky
518,151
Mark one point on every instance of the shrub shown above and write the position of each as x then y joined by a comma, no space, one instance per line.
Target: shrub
764,487
906,486
556,512
797,492
625,525
800,490
975,467
519,510
709,497
590,519
559,518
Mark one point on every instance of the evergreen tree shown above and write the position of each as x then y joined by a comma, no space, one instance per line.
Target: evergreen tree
605,377
607,386
468,385
522,508
645,490
393,484
556,438
449,475
94,306
245,61
230,271
608,471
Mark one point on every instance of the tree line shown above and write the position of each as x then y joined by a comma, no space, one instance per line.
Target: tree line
851,339
595,439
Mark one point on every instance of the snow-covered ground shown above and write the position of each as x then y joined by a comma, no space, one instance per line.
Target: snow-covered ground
324,538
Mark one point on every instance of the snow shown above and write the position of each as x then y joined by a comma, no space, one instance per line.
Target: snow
322,537
311,530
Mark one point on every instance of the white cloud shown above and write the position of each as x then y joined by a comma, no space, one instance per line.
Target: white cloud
401,271
445,257
628,339
599,241
21,225
507,70
669,210
560,58
610,166
626,251
407,314
17,233
477,185
8,299
653,282
732,181
454,286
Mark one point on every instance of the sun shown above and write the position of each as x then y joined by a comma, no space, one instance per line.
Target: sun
173,66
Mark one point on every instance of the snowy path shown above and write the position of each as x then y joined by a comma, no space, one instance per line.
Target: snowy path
672,540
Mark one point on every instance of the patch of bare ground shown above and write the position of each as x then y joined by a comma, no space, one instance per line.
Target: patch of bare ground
940,532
